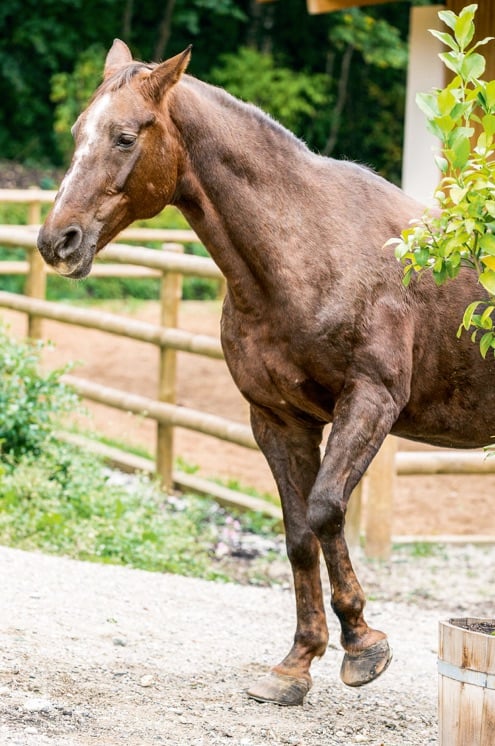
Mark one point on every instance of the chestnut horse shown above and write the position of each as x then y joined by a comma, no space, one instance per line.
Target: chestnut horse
317,326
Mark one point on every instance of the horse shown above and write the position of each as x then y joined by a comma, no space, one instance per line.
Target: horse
317,326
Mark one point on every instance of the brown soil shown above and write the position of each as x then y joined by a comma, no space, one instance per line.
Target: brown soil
484,628
440,504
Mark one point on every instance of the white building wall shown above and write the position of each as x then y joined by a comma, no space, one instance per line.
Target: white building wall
420,175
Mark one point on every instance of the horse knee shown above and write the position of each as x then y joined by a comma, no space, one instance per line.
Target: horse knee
325,515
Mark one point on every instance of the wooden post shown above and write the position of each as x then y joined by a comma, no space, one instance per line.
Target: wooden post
35,286
170,296
380,491
353,516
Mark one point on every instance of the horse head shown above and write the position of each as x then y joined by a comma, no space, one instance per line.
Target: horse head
125,164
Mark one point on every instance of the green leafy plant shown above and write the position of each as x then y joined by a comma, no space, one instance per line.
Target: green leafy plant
29,399
71,92
462,233
56,497
291,97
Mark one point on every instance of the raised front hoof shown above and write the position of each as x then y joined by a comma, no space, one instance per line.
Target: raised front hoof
363,667
287,691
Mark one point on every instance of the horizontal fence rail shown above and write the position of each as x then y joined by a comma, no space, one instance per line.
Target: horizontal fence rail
142,331
168,414
169,265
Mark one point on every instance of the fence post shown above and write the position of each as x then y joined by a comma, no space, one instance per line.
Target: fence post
170,296
353,516
35,286
380,482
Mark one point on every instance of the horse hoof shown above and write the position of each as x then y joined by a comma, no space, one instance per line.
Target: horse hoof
280,689
363,667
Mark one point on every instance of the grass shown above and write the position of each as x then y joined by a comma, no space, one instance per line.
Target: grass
67,503
58,498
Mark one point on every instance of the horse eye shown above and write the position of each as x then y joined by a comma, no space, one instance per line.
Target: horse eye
126,140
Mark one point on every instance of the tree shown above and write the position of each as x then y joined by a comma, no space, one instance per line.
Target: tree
339,97
291,97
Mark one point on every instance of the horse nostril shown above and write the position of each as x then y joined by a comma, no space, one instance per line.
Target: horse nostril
69,241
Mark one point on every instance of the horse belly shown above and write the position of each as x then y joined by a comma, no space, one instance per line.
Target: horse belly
452,416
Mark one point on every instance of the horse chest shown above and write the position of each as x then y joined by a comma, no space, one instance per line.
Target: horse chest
270,374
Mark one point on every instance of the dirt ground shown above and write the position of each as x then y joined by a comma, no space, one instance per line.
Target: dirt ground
440,504
95,654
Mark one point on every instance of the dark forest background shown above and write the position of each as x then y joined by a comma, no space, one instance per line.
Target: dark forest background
337,80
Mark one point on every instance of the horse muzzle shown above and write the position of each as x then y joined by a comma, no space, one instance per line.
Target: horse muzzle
68,250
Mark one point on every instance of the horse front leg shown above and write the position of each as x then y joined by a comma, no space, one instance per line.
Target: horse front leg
363,417
294,458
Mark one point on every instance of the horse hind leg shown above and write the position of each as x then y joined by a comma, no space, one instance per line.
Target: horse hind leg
295,459
352,444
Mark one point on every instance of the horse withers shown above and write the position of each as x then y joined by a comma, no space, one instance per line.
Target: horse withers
316,327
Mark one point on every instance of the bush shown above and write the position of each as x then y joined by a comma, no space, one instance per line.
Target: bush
60,499
63,501
29,400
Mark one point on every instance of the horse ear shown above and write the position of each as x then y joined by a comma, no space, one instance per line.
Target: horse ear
166,75
118,56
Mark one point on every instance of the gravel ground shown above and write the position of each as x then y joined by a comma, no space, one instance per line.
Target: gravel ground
106,655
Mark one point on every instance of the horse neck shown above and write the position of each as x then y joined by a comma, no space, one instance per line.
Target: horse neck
237,190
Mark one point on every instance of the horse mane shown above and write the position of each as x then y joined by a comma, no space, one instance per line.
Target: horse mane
261,117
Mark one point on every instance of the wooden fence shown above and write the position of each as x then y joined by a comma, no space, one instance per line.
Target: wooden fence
170,265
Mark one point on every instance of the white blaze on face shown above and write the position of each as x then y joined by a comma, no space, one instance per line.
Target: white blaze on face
90,132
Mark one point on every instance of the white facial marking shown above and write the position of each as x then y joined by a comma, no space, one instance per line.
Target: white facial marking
90,132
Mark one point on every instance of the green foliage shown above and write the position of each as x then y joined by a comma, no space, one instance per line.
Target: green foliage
377,40
51,50
63,501
29,399
58,498
463,234
291,97
71,92
189,15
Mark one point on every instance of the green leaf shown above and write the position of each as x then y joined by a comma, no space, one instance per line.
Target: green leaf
446,124
452,60
486,342
489,93
485,321
460,152
442,163
448,17
421,256
427,102
445,101
482,42
445,38
487,243
473,66
468,314
487,279
464,27
488,122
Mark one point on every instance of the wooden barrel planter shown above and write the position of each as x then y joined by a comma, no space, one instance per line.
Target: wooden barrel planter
466,685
